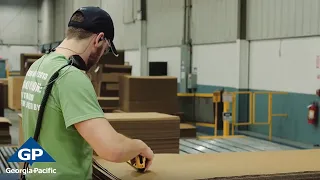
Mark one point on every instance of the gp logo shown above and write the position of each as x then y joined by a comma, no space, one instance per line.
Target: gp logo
31,152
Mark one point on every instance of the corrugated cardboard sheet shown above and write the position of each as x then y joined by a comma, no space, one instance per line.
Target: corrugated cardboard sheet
148,94
160,131
219,165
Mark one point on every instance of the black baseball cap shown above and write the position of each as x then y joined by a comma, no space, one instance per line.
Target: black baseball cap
96,20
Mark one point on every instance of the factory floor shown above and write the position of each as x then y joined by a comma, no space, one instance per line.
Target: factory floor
190,146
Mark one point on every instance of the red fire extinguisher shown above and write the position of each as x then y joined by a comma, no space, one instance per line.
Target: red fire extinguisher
313,113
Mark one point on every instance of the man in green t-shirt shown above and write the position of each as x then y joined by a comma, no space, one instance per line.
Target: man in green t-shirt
73,122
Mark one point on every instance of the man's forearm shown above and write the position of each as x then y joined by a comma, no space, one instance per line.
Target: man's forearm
130,148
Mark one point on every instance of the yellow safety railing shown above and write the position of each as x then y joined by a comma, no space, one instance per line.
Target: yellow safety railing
226,108
270,113
215,99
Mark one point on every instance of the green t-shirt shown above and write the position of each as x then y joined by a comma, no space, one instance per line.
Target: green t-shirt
72,100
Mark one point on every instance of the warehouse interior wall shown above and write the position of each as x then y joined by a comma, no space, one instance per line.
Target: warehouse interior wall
171,55
18,30
276,53
286,65
133,58
12,54
217,66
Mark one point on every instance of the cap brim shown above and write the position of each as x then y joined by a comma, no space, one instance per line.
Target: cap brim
113,49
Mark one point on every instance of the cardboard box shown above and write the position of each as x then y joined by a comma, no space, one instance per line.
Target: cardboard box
14,92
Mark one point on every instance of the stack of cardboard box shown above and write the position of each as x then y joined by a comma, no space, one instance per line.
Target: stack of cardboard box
4,92
5,137
160,131
14,92
105,79
26,60
148,94
110,76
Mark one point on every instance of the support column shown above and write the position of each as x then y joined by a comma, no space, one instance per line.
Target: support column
186,49
243,71
143,49
243,85
46,21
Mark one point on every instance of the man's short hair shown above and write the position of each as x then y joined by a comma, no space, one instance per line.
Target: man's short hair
77,33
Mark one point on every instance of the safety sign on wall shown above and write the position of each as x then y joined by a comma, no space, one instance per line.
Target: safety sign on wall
227,116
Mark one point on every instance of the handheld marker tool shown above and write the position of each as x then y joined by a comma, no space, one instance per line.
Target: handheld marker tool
139,163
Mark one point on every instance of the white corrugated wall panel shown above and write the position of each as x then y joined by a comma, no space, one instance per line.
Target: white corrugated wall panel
268,19
68,11
59,24
293,63
213,60
214,21
165,22
115,9
131,36
19,22
81,3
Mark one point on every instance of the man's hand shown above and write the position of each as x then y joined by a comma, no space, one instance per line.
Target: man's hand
147,153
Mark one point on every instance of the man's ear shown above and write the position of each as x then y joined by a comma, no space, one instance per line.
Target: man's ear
99,39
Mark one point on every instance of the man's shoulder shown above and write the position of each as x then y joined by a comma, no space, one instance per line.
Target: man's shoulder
71,73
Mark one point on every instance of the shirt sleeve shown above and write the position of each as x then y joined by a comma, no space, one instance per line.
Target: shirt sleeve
77,98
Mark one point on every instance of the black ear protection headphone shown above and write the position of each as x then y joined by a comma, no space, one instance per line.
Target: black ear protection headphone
75,60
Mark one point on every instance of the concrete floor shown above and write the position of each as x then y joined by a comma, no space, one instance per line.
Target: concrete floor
189,146
245,144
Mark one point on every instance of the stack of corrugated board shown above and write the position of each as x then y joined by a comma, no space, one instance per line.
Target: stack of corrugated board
148,94
160,131
96,71
26,60
186,130
220,166
14,92
4,95
109,79
5,137
108,104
